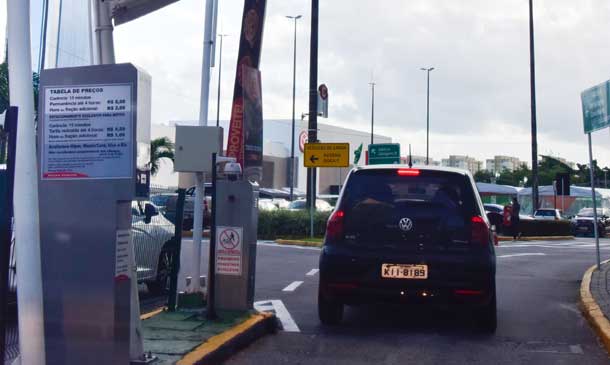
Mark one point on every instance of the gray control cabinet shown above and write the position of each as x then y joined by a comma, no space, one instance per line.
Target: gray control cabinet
94,146
237,222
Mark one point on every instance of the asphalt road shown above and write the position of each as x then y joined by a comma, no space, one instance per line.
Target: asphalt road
539,321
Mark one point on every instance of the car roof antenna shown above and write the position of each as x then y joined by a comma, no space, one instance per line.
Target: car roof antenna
410,157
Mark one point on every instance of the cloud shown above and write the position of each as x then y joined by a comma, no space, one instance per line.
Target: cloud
480,89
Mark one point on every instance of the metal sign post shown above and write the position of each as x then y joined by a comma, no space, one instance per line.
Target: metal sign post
595,227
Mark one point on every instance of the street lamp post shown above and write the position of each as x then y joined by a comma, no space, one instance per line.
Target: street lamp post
428,69
372,109
219,79
294,82
533,113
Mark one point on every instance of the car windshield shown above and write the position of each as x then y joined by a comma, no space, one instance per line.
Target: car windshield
545,213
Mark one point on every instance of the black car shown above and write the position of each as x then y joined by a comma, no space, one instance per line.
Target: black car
408,235
582,224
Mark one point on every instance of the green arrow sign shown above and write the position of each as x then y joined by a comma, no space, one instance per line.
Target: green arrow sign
386,153
595,104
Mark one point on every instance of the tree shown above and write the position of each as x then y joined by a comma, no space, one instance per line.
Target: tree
160,148
4,90
483,176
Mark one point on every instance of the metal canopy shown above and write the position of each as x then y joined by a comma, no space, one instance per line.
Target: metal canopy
124,11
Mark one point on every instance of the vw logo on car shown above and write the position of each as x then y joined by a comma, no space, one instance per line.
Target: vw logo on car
405,224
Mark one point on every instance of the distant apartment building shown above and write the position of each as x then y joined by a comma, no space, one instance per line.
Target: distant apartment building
463,162
501,163
419,161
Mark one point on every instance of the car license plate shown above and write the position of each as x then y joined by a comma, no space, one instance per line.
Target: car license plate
402,271
583,228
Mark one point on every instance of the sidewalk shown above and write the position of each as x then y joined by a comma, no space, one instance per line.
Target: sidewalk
188,338
595,300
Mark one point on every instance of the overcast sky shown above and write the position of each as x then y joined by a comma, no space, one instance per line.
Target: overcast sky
480,100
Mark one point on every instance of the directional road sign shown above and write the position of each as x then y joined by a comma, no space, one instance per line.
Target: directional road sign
326,155
595,105
384,153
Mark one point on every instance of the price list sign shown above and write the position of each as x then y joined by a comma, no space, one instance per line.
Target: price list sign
87,132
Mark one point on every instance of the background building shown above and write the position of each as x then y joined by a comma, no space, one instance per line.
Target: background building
501,163
463,162
418,160
276,154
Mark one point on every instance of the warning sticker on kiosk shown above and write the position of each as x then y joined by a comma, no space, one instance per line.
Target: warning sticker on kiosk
229,250
87,132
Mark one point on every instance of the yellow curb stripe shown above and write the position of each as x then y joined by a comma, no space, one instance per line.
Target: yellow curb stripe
591,309
298,243
217,341
151,314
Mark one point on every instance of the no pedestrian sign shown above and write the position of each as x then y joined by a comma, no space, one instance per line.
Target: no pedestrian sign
326,155
229,250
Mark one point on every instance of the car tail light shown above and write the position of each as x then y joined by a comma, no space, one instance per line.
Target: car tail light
479,231
408,172
334,227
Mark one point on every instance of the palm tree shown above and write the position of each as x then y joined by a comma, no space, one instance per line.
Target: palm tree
160,148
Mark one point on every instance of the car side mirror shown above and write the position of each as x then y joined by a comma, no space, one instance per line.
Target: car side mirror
149,212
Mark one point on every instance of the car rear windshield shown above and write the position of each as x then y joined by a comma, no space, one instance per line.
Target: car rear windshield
545,213
432,188
440,205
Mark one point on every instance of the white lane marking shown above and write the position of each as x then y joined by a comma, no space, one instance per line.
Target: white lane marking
292,286
576,349
522,254
278,307
288,246
312,272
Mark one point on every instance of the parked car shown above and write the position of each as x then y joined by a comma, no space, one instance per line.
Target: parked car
548,214
161,200
301,204
409,235
582,224
495,213
152,236
266,205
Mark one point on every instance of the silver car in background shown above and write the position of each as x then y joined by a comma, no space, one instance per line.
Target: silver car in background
154,246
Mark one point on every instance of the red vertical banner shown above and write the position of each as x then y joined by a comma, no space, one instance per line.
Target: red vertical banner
248,58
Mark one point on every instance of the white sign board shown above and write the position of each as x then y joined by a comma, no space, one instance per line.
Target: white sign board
122,255
229,250
87,132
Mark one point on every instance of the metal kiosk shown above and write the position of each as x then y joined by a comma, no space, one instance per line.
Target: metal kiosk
94,149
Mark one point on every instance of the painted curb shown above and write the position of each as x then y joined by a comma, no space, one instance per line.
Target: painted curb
220,347
152,313
298,243
591,309
537,238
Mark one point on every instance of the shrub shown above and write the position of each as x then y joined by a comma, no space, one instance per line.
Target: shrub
289,224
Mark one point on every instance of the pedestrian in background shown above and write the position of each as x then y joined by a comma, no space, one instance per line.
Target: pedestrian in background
514,218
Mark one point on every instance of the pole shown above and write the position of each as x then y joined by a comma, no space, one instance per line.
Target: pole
104,41
173,284
43,36
219,80
428,118
58,41
595,227
211,312
535,199
5,223
372,109
313,98
27,227
311,215
294,83
203,121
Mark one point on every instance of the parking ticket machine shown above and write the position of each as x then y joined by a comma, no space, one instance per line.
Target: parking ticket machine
94,150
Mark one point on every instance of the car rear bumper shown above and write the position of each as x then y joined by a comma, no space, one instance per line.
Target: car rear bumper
452,279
